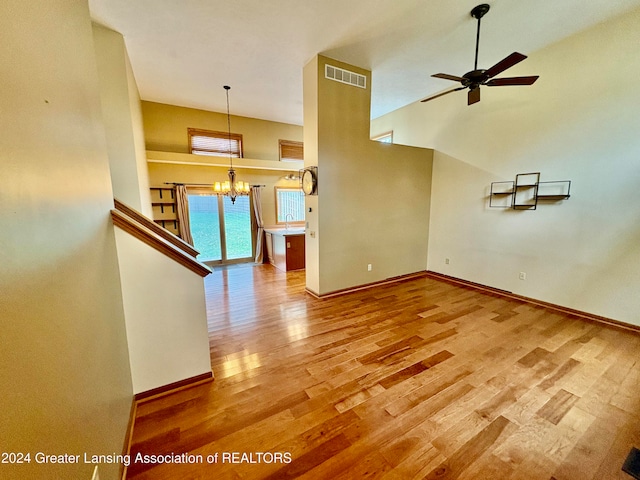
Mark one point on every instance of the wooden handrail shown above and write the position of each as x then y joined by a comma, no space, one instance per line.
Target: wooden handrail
150,237
151,225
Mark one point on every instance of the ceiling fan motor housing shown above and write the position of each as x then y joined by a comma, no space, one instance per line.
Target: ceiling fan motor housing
473,78
479,11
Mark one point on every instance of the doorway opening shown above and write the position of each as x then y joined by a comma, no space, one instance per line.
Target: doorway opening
221,230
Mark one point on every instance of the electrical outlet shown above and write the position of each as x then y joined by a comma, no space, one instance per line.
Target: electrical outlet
369,267
446,261
523,276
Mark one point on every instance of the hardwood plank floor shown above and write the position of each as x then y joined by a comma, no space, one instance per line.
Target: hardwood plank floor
420,379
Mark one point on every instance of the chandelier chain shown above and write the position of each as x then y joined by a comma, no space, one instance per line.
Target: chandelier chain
227,88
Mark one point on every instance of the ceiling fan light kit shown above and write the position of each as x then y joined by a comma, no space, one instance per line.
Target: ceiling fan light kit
479,77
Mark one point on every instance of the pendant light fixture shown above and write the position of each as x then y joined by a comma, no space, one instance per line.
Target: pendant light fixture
232,187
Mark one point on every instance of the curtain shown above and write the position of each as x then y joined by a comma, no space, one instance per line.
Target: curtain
182,211
257,209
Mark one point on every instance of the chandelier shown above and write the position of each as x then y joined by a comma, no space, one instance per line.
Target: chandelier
232,187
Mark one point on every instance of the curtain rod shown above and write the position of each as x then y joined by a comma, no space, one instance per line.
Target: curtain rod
200,184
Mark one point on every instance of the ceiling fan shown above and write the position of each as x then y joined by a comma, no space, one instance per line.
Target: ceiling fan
477,77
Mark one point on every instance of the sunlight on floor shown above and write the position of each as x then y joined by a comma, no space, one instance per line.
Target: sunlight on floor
234,366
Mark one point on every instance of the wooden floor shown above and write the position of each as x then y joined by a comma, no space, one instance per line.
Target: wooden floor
419,379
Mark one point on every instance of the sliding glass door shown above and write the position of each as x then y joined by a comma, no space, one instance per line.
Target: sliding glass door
221,230
237,228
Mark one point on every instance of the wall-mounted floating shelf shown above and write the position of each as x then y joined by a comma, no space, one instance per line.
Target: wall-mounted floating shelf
163,203
526,191
556,190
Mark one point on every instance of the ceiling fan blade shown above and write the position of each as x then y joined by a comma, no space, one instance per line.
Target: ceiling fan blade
499,82
503,64
446,76
442,93
473,96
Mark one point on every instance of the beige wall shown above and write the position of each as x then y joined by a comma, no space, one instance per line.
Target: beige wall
166,318
373,199
166,127
123,120
312,213
166,130
159,173
64,367
578,122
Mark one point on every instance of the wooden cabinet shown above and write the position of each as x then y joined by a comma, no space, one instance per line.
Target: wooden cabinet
269,242
286,251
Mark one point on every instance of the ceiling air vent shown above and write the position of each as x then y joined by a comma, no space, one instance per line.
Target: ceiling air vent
345,76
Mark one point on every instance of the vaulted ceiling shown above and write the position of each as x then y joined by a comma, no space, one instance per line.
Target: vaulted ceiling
183,52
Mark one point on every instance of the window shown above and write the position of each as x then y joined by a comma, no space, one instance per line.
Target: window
218,144
384,138
290,150
289,205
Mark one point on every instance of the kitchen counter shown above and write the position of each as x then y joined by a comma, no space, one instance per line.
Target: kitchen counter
286,248
285,231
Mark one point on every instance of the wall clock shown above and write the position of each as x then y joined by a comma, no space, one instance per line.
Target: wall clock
309,181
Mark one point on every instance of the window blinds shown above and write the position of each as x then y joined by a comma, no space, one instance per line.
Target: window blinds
219,144
290,150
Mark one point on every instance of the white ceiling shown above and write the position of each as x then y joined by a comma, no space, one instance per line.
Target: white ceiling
184,51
